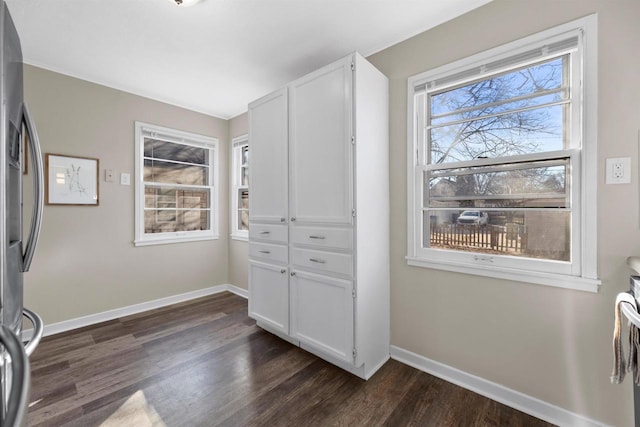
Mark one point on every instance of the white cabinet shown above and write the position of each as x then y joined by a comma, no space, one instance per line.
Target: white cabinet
319,210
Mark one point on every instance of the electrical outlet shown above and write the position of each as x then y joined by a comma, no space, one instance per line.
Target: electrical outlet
618,170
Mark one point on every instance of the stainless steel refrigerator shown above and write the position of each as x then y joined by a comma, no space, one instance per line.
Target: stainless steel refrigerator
17,137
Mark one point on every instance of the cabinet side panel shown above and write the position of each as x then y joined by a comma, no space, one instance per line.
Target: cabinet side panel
372,206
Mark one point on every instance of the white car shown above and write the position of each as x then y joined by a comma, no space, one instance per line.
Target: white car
473,217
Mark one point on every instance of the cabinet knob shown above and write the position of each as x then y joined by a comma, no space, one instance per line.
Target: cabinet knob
283,271
293,273
283,219
293,219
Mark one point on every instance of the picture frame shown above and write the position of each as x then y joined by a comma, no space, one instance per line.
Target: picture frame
71,180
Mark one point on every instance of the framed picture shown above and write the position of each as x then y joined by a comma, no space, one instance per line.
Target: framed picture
71,180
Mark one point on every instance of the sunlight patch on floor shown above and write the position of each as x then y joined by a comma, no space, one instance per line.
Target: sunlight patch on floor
35,402
136,411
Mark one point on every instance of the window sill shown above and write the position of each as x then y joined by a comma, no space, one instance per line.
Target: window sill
240,238
539,278
168,240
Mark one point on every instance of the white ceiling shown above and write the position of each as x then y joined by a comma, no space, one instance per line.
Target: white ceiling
218,55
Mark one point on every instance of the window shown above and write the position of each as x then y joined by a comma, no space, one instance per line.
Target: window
176,186
502,161
240,188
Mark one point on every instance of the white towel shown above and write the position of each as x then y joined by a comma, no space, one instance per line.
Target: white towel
619,367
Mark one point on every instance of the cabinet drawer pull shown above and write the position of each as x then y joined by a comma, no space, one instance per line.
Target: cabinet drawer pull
265,252
265,232
317,260
317,237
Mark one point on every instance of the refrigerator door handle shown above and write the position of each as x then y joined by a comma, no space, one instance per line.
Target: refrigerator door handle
38,189
38,329
16,406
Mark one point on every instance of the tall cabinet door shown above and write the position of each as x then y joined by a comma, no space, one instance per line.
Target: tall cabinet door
321,153
269,295
268,161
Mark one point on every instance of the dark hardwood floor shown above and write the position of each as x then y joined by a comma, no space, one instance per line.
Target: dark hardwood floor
205,363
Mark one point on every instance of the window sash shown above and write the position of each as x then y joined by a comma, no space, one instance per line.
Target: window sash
240,168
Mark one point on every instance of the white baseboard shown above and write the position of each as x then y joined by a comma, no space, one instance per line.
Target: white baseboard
520,401
238,291
67,325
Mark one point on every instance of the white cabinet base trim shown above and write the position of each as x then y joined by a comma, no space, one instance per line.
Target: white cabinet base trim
363,371
512,398
92,319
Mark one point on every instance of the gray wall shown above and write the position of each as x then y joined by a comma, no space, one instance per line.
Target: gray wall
549,343
85,262
239,250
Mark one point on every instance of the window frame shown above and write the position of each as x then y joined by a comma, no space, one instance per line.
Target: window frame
177,137
237,144
581,272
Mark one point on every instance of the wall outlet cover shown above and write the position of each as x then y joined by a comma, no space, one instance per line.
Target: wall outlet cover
125,179
618,170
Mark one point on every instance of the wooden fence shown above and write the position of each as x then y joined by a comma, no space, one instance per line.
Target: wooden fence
507,238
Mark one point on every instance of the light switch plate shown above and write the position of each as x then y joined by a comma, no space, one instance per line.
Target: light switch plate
618,170
125,179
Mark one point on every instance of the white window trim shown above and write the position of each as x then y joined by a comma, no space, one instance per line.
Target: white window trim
238,141
586,278
145,239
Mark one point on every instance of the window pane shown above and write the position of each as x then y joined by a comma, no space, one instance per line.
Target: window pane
522,132
243,209
532,185
502,108
245,154
243,219
166,221
177,152
174,173
245,176
503,115
162,198
243,199
481,95
530,234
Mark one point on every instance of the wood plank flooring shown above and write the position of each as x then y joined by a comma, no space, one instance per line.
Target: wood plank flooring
206,363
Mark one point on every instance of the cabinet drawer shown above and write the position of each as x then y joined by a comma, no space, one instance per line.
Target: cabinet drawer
269,232
330,262
266,251
333,238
